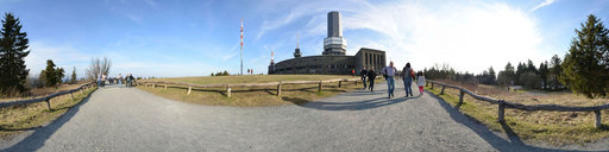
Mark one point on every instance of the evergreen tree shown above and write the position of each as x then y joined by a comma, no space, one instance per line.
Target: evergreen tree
519,71
586,65
43,78
492,75
50,74
59,74
531,67
13,46
73,78
507,76
555,71
543,74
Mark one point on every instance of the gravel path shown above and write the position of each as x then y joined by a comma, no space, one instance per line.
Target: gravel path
128,119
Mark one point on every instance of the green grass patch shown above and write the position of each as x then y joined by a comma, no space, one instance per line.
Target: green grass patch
527,128
16,119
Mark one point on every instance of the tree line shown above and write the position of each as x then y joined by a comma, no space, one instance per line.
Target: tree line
224,73
14,47
584,69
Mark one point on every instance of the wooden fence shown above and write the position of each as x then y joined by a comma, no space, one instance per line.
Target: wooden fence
48,98
228,87
502,104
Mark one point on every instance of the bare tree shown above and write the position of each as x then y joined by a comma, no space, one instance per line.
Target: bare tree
98,66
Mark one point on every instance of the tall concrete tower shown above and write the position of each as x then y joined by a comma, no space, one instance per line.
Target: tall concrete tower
334,44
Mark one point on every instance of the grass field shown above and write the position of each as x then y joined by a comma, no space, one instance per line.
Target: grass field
16,119
291,94
37,92
557,128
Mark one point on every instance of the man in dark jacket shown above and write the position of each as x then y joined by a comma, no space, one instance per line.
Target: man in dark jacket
363,75
371,77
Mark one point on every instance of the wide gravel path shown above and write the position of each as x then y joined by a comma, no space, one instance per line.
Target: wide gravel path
128,119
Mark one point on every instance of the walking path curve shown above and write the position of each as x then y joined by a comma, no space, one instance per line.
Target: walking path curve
128,119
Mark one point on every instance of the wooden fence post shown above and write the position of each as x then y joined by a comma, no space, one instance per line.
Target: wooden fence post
340,83
279,89
461,94
432,85
442,92
228,92
165,87
501,112
598,118
189,89
154,85
356,83
319,87
48,100
426,83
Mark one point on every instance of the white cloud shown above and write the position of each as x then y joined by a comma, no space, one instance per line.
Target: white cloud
542,4
64,56
470,36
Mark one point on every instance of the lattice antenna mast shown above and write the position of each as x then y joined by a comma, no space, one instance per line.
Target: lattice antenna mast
241,50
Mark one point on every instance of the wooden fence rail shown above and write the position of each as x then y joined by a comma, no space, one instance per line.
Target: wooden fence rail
48,98
228,87
502,104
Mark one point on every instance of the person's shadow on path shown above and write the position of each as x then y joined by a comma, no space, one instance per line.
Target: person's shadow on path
37,139
354,105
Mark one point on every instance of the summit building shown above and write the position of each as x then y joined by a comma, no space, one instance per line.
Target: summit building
333,59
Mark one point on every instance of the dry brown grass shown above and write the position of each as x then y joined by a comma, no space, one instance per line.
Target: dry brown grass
38,92
262,96
16,119
556,128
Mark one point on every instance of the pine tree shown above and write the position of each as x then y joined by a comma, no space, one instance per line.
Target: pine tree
531,67
507,76
492,75
73,77
13,50
543,74
586,65
520,69
59,74
555,71
50,74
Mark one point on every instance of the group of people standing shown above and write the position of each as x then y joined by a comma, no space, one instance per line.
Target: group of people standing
408,75
370,76
103,79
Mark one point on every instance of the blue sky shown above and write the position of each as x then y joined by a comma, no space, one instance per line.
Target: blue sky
168,38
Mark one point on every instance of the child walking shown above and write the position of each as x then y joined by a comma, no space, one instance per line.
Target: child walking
420,82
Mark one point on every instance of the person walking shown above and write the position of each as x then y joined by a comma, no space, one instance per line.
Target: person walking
363,74
103,78
128,80
371,77
389,73
99,80
420,82
407,77
132,83
120,80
